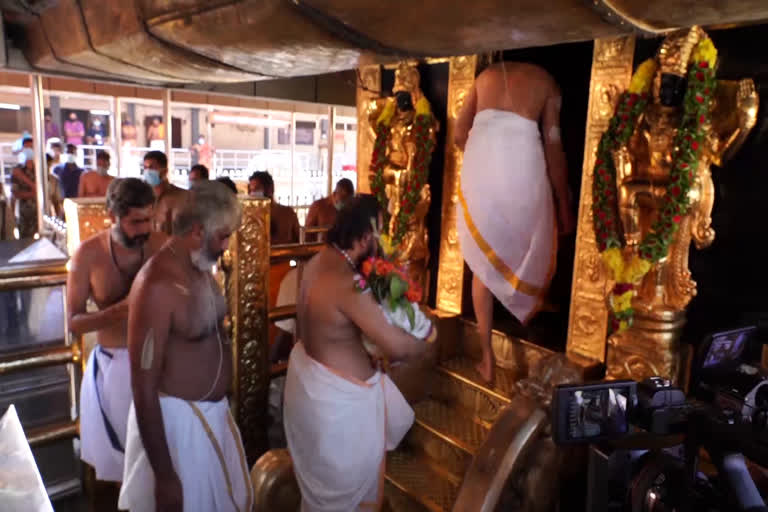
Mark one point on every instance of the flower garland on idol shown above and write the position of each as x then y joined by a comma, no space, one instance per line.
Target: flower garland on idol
418,178
688,144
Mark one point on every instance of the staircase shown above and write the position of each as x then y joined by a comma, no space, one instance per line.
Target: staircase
455,411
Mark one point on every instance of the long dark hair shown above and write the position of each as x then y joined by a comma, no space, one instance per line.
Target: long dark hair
354,221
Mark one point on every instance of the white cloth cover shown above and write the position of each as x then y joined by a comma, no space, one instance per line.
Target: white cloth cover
113,385
338,429
207,454
506,214
21,487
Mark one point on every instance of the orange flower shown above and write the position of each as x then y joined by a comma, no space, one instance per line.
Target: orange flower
382,267
414,293
367,267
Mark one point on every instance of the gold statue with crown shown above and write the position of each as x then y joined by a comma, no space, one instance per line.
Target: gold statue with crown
653,194
405,130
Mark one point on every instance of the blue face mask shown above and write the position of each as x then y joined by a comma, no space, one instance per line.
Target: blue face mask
152,177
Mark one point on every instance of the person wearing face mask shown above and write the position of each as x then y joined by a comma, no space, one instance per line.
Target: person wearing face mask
69,173
168,197
184,451
102,270
74,131
284,225
197,173
24,191
322,213
95,183
202,152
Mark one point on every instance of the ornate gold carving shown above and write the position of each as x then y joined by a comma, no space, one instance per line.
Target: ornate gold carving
587,330
247,292
85,218
400,154
450,275
651,346
368,89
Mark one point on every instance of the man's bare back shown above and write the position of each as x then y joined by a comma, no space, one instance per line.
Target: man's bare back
95,274
527,90
332,316
197,352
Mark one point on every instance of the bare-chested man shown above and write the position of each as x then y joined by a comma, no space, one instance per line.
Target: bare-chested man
341,413
184,451
103,269
322,213
95,183
169,197
507,218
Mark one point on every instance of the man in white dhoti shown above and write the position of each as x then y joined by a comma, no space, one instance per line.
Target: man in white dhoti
341,414
184,451
507,217
102,269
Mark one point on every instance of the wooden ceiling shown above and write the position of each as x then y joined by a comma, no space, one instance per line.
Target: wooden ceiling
182,41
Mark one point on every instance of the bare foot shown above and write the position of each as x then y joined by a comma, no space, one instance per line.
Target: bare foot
485,368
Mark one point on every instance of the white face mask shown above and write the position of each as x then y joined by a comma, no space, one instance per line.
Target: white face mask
71,159
201,141
258,194
103,170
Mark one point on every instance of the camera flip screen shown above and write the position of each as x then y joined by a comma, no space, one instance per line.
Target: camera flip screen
593,412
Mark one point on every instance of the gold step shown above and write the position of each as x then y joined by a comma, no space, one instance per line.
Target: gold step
463,369
396,500
447,435
422,480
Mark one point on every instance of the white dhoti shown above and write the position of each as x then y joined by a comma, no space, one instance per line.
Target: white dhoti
506,214
338,430
105,397
207,455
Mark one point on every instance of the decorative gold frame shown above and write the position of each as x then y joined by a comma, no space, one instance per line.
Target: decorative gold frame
587,326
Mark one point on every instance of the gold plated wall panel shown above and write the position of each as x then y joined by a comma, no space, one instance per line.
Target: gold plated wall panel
247,271
450,274
587,327
368,89
85,218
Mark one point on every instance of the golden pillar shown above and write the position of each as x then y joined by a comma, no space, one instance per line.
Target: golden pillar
368,89
246,268
588,327
450,273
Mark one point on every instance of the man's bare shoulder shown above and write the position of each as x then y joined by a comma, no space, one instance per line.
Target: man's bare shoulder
155,242
160,270
328,272
92,248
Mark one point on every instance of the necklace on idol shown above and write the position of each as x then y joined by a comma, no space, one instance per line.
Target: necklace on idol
346,257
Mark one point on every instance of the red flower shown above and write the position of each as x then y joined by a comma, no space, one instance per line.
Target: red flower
367,267
683,165
690,175
703,64
601,172
609,222
413,293
688,138
695,146
383,267
700,76
677,219
675,191
706,91
625,117
700,98
702,119
601,214
604,235
599,161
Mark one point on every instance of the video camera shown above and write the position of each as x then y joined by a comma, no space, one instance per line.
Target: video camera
646,437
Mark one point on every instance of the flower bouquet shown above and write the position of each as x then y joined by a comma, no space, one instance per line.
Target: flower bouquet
397,295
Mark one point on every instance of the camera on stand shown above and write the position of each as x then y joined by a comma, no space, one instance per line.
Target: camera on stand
645,439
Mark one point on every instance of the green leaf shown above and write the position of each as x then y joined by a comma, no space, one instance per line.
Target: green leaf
410,313
397,287
392,304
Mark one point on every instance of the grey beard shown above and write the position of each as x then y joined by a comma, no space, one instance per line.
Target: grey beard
202,260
